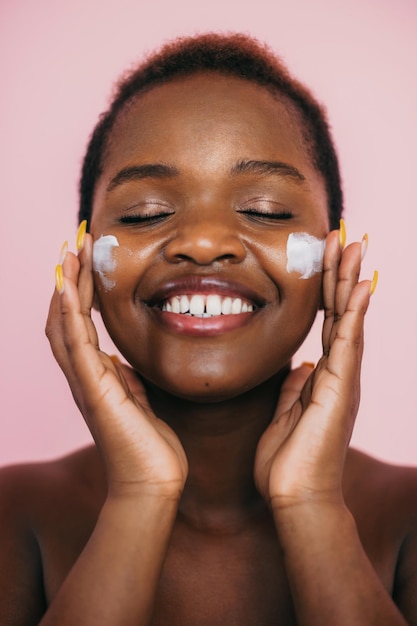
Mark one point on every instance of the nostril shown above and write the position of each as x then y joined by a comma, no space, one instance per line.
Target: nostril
205,249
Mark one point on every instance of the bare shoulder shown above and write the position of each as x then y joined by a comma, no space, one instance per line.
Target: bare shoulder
29,488
382,485
36,499
383,500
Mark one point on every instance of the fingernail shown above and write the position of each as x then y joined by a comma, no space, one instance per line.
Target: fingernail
342,233
374,283
80,235
63,252
364,246
309,364
115,359
59,278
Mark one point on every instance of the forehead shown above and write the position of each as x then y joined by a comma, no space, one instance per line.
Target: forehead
207,115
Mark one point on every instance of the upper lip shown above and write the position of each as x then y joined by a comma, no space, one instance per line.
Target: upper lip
192,284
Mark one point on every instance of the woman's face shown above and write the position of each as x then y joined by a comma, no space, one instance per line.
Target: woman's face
204,181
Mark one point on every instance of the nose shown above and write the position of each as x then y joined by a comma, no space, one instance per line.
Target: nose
205,240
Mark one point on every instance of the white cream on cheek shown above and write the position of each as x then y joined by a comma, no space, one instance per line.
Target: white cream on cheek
305,254
103,260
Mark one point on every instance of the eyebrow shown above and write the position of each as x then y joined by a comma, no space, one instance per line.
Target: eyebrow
139,172
163,171
266,168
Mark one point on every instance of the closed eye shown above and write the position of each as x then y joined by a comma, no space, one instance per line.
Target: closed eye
269,215
141,208
142,218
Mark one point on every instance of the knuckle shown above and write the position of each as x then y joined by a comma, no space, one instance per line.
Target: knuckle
329,313
50,330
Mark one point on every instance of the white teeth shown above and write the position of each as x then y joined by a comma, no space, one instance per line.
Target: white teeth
227,306
213,305
197,305
206,306
236,306
175,305
184,304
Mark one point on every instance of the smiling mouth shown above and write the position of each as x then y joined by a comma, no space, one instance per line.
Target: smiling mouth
206,306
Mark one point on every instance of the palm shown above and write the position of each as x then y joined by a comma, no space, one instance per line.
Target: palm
301,454
161,457
139,450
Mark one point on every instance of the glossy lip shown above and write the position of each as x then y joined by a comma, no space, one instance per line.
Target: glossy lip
203,326
189,285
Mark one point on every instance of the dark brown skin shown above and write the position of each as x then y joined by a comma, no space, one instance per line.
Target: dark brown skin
226,572
221,489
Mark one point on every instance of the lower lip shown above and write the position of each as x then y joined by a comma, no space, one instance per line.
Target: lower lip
203,326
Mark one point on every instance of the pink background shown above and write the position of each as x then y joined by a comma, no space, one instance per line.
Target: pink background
58,61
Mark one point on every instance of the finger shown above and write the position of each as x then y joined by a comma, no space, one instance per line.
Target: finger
78,268
85,281
332,256
348,276
349,334
53,329
341,374
76,333
293,387
71,333
86,286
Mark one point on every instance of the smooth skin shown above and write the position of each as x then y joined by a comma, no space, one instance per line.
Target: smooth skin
221,488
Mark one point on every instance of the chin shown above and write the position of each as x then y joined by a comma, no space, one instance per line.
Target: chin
200,392
206,389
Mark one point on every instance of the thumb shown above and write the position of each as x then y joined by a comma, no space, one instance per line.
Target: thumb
293,387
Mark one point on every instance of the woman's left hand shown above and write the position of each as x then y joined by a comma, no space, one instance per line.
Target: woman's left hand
301,455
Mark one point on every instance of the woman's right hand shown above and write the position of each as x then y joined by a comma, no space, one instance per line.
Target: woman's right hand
142,455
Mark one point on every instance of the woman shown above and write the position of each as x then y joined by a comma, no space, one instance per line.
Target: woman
221,489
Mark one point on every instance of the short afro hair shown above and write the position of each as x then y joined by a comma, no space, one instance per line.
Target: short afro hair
234,55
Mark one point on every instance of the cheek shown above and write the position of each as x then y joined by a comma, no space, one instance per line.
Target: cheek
305,296
294,262
105,261
304,254
115,265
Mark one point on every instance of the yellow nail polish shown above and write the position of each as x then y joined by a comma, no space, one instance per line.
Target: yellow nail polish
342,233
59,278
63,252
309,364
364,246
80,235
374,283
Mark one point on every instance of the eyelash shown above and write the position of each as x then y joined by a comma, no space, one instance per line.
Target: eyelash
281,216
140,219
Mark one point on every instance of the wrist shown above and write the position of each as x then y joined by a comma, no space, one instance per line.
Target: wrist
130,490
130,511
132,494
312,510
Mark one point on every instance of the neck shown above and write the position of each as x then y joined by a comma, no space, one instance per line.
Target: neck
220,441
